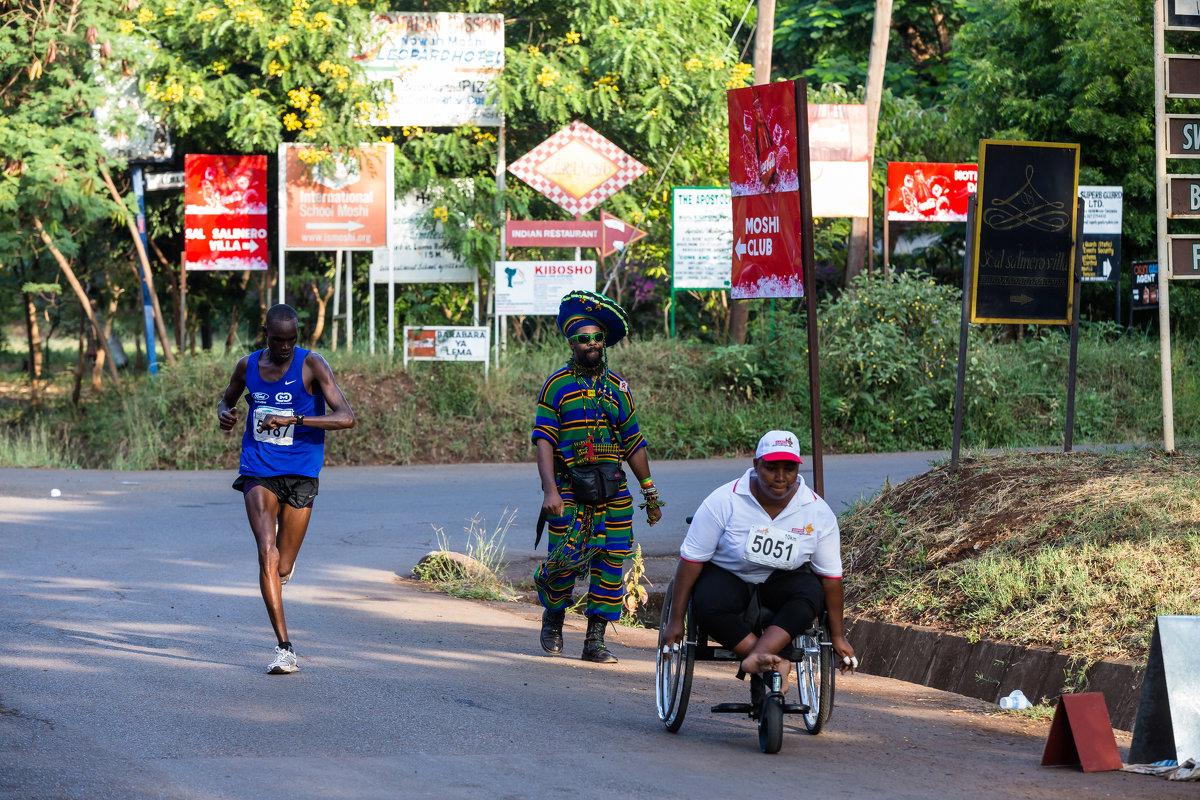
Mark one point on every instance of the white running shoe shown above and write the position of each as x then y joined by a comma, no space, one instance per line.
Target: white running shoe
284,663
283,579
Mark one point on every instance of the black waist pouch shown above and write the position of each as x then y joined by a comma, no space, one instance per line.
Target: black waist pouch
596,483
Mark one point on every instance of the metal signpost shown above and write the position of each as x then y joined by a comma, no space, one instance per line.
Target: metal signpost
1024,262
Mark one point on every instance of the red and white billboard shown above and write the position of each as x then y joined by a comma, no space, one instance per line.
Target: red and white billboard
764,180
342,203
924,192
225,212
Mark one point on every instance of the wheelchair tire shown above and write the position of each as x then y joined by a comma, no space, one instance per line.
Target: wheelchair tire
815,678
673,670
770,725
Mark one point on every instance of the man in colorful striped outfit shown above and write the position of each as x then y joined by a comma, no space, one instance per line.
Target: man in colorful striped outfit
584,426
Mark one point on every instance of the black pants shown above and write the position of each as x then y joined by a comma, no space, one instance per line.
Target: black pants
720,599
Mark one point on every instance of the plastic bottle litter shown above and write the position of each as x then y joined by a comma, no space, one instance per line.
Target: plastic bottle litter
55,493
1016,700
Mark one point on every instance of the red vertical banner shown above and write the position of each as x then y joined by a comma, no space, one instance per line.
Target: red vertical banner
225,212
764,178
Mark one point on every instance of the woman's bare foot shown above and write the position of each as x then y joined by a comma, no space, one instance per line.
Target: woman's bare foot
766,662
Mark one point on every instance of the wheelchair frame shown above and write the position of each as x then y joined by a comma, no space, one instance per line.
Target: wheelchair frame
811,652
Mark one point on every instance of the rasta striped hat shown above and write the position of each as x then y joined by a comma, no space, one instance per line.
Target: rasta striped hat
581,308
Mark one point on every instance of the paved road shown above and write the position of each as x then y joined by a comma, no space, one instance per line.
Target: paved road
133,641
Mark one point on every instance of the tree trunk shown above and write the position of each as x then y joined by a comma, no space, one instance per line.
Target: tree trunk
860,228
764,38
78,374
322,299
35,348
113,305
145,262
79,293
235,316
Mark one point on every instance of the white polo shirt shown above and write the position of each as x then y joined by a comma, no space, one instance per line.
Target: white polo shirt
721,526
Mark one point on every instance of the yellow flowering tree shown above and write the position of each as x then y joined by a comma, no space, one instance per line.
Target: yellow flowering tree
245,75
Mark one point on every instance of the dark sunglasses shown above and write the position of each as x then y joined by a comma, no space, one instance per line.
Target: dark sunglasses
585,338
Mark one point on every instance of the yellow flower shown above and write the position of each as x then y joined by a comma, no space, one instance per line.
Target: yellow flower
664,81
570,88
232,4
310,155
251,16
299,98
741,72
145,15
385,139
208,14
275,68
152,90
716,63
613,21
169,10
412,131
196,93
218,67
534,50
125,27
291,121
321,21
573,37
342,86
441,214
547,77
693,64
278,42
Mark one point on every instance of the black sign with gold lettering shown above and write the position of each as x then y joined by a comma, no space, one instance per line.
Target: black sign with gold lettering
1023,267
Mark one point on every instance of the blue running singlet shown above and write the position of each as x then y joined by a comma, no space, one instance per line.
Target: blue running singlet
287,451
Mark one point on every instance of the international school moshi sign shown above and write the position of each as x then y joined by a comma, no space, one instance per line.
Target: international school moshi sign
343,202
764,180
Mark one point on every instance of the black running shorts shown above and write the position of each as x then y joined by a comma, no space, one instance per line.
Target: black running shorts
298,491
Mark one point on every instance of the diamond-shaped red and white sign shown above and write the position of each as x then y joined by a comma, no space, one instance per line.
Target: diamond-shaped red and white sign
577,168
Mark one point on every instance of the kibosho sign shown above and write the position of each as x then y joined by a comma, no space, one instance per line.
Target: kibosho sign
537,287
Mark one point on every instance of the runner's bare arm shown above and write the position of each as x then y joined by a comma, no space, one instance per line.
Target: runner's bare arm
227,412
319,377
835,605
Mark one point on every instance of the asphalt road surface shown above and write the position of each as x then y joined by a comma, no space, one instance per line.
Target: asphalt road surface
133,646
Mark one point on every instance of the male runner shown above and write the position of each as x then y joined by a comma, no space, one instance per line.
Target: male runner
283,448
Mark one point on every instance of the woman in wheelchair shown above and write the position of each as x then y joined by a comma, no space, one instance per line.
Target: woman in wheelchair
769,530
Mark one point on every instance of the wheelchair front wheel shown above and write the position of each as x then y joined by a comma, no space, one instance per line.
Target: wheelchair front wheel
770,724
673,669
815,679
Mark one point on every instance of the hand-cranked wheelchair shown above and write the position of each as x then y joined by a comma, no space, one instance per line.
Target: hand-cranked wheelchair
811,652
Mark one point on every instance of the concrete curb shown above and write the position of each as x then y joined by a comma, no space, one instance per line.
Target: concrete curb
987,669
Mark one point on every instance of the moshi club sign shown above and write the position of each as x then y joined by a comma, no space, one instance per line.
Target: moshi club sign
225,212
764,180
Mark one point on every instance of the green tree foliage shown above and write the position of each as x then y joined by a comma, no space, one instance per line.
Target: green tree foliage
827,41
49,145
1067,71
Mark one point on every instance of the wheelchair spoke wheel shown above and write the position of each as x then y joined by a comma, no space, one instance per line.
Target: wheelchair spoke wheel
770,725
814,677
673,670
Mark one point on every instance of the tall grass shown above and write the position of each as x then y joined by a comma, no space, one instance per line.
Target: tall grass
888,361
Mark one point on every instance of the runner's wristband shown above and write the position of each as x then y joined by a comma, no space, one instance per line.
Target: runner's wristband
299,419
647,482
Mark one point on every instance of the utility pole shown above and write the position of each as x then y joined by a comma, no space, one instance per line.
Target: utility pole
860,228
764,40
